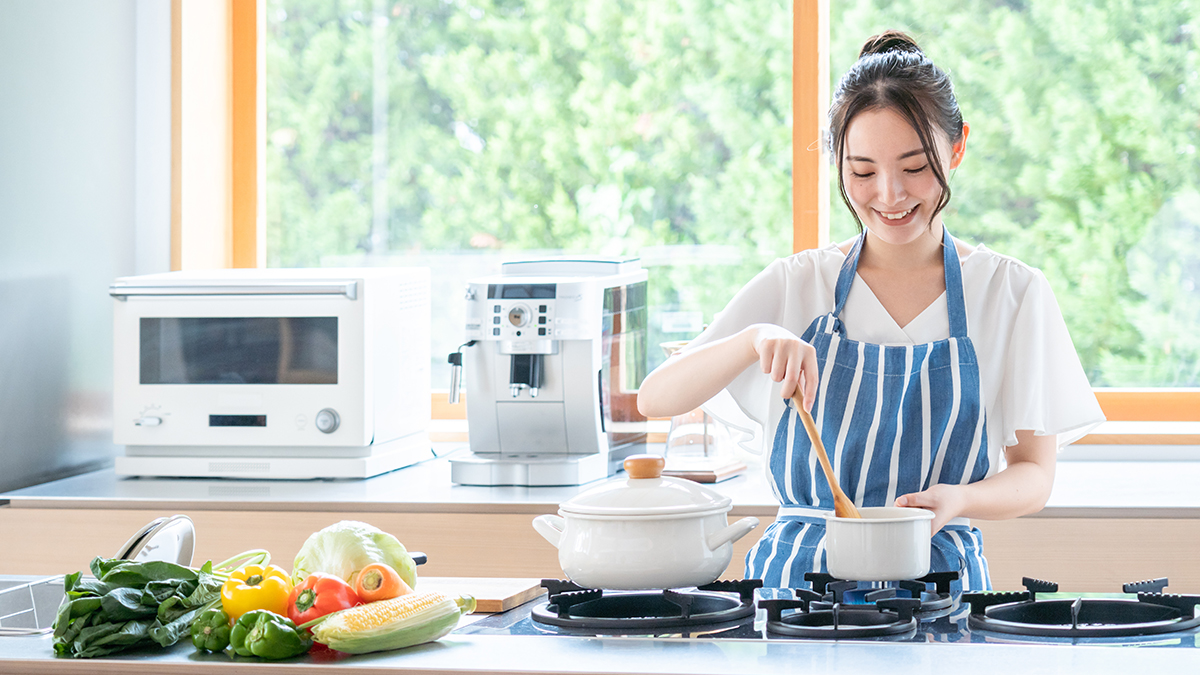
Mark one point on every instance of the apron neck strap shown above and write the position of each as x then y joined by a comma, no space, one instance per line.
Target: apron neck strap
955,303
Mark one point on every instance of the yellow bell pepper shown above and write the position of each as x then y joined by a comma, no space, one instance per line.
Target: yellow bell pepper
256,587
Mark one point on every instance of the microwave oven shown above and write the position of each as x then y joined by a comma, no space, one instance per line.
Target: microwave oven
271,373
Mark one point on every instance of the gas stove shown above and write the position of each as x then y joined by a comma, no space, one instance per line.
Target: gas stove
918,611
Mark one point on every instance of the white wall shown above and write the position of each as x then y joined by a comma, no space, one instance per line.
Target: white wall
70,220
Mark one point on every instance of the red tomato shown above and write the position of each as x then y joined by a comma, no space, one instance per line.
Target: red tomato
320,594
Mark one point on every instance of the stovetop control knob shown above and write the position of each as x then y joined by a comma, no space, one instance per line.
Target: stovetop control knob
327,421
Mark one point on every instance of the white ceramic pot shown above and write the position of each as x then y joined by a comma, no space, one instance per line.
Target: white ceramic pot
644,531
889,543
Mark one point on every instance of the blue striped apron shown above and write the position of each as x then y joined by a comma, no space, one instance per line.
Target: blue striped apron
895,420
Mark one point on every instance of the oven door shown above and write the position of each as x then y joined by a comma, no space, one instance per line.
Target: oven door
223,370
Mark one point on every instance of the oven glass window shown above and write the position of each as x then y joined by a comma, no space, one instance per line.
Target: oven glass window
239,350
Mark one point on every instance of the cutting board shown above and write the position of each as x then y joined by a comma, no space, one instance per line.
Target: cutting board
492,594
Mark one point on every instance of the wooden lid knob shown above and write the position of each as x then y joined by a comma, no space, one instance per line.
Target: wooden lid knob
644,466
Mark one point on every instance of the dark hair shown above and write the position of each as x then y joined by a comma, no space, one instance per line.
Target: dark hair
893,73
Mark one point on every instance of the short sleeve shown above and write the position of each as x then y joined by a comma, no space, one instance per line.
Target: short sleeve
790,293
1045,389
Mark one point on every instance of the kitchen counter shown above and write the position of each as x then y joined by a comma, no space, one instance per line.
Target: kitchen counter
1107,522
477,654
1082,489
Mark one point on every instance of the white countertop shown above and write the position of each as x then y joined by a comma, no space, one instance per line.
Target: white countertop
1083,489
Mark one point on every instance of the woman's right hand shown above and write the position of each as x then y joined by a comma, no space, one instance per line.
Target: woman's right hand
788,360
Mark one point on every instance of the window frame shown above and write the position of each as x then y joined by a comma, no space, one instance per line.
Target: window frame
242,234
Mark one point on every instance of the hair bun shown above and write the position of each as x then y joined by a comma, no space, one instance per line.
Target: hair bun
889,41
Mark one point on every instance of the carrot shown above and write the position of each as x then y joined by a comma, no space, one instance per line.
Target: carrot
380,581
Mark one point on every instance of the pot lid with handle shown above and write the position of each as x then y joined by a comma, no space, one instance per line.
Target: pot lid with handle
645,492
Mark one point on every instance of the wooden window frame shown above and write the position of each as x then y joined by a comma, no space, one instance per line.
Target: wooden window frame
242,234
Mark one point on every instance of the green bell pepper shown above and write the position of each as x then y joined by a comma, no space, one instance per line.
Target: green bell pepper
267,635
211,630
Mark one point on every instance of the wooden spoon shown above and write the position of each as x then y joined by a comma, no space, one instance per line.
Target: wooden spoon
843,507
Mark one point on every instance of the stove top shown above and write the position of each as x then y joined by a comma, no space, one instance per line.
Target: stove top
918,611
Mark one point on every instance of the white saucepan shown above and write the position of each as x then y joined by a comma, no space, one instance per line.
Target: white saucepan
888,543
644,531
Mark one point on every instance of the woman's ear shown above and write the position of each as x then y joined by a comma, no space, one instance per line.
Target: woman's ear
960,148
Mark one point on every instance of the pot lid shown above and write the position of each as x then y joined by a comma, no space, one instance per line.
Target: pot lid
645,492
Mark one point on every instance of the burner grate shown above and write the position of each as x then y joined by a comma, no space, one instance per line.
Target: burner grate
937,599
572,606
887,617
1022,613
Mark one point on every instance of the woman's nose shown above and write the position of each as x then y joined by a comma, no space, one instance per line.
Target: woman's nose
891,188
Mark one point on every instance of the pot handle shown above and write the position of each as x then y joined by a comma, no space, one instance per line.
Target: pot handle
730,534
551,528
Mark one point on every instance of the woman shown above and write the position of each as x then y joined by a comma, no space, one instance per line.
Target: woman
920,357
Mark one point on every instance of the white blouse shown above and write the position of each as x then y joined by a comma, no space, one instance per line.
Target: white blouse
1030,374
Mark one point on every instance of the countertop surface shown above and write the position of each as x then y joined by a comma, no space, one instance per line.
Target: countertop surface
531,654
463,652
1110,489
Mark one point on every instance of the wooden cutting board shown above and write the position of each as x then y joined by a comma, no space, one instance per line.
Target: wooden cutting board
491,594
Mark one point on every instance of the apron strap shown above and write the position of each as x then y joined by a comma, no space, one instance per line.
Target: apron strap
846,275
956,304
956,307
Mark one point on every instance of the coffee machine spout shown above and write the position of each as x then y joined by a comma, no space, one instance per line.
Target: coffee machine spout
525,372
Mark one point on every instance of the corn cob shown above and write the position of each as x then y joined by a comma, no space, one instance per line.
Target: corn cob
392,624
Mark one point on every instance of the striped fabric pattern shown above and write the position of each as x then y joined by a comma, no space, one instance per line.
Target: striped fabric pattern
894,420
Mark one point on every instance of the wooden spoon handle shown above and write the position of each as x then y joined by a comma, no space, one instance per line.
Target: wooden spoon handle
843,506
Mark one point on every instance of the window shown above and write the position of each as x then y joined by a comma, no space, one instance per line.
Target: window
457,134
1081,161
1079,179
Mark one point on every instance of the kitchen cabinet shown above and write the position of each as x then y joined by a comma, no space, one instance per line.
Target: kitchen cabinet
1092,543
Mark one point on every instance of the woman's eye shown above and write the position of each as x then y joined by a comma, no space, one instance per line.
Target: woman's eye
862,175
919,170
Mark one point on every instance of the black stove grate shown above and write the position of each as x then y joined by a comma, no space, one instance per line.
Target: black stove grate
842,609
572,606
890,616
933,590
1022,613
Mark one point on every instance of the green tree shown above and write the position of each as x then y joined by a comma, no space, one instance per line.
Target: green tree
1083,130
595,126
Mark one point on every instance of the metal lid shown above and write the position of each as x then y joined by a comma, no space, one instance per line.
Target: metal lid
645,493
168,539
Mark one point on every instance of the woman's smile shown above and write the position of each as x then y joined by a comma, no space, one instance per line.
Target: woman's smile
897,218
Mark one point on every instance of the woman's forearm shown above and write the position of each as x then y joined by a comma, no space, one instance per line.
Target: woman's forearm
1023,487
1020,489
688,379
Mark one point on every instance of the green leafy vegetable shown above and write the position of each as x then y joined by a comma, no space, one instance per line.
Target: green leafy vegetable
131,604
344,548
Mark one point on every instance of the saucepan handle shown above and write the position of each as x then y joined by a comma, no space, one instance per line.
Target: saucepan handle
731,533
550,527
418,557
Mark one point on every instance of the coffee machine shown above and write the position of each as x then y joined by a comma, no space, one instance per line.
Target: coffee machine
555,353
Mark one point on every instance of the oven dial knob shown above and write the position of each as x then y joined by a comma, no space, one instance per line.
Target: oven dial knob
148,421
327,421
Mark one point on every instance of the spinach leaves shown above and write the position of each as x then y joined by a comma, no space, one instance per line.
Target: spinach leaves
128,604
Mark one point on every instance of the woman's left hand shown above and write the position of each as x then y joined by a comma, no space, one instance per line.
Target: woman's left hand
945,500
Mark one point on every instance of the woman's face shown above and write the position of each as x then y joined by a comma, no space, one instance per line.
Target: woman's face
888,178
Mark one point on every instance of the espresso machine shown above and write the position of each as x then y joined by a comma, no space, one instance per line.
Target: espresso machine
555,353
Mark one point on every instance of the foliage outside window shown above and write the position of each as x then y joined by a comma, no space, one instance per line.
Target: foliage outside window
458,134
1085,119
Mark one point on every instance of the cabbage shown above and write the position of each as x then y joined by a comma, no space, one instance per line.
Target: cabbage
344,548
